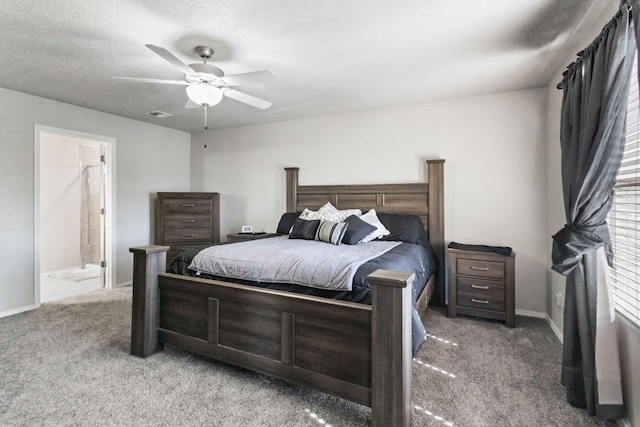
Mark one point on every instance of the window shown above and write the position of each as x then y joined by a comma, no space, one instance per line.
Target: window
624,218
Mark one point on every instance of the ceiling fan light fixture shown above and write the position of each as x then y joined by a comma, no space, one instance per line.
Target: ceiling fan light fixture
204,94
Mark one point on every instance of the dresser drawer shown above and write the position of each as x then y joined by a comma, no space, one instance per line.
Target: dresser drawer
174,220
187,205
185,235
480,268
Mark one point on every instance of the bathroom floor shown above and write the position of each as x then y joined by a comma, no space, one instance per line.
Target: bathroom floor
61,284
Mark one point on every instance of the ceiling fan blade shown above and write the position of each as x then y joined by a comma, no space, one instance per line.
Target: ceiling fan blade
171,58
247,99
250,78
139,80
191,105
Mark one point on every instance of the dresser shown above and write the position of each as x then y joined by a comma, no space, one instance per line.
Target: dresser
187,220
482,284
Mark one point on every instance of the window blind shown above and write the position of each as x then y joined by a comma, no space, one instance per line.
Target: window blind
624,218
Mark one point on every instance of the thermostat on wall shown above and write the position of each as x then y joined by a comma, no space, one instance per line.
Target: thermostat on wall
247,229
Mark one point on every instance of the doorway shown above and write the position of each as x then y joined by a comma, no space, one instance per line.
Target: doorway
72,213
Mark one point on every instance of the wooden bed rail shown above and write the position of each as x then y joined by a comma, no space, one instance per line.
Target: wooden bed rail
389,393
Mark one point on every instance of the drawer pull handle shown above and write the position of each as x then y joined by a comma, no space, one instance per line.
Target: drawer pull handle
188,235
480,287
190,221
480,301
473,267
187,205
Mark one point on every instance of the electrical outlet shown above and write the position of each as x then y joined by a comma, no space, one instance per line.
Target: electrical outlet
558,299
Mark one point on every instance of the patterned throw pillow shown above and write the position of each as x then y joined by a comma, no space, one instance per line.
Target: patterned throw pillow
380,231
331,232
308,214
329,213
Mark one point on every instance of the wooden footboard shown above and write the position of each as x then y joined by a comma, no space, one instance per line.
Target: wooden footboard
359,352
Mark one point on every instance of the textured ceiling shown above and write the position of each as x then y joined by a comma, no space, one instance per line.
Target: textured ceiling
331,56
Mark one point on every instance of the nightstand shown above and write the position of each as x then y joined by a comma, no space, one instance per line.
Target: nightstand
482,284
243,237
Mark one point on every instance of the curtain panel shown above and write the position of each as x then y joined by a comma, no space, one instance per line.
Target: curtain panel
595,92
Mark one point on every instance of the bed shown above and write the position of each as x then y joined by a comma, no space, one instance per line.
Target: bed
359,352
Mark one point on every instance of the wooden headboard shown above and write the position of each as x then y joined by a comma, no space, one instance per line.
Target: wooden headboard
423,199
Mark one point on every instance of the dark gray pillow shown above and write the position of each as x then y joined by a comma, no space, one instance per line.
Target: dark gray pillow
404,228
356,231
286,222
304,229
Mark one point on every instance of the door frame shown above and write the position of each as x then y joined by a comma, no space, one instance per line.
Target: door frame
109,144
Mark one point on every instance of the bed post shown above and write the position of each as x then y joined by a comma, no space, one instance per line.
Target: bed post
148,262
292,189
436,223
391,348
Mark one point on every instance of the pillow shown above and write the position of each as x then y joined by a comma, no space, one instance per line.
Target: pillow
348,212
286,222
329,213
304,229
357,230
380,231
331,232
404,228
309,214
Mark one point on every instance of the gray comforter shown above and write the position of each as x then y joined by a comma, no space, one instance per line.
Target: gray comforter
282,260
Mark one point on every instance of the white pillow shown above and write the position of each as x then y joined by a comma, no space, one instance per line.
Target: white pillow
328,212
380,231
346,213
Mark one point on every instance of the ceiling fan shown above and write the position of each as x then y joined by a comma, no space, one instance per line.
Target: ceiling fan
207,84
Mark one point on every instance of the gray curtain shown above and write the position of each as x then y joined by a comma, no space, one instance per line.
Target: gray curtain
595,92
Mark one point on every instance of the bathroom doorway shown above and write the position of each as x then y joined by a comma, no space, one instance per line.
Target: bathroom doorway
73,232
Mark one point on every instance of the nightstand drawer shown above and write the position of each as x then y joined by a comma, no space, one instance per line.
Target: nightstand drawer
187,235
187,205
187,221
482,302
480,287
480,268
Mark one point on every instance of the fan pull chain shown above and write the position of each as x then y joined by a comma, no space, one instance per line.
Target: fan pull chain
205,125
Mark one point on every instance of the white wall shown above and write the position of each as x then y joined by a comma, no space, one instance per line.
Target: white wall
494,170
149,158
60,191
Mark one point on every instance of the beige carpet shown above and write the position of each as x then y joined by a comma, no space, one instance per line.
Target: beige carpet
68,363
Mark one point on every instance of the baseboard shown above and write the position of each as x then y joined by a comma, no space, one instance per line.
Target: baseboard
528,313
123,284
17,310
554,328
